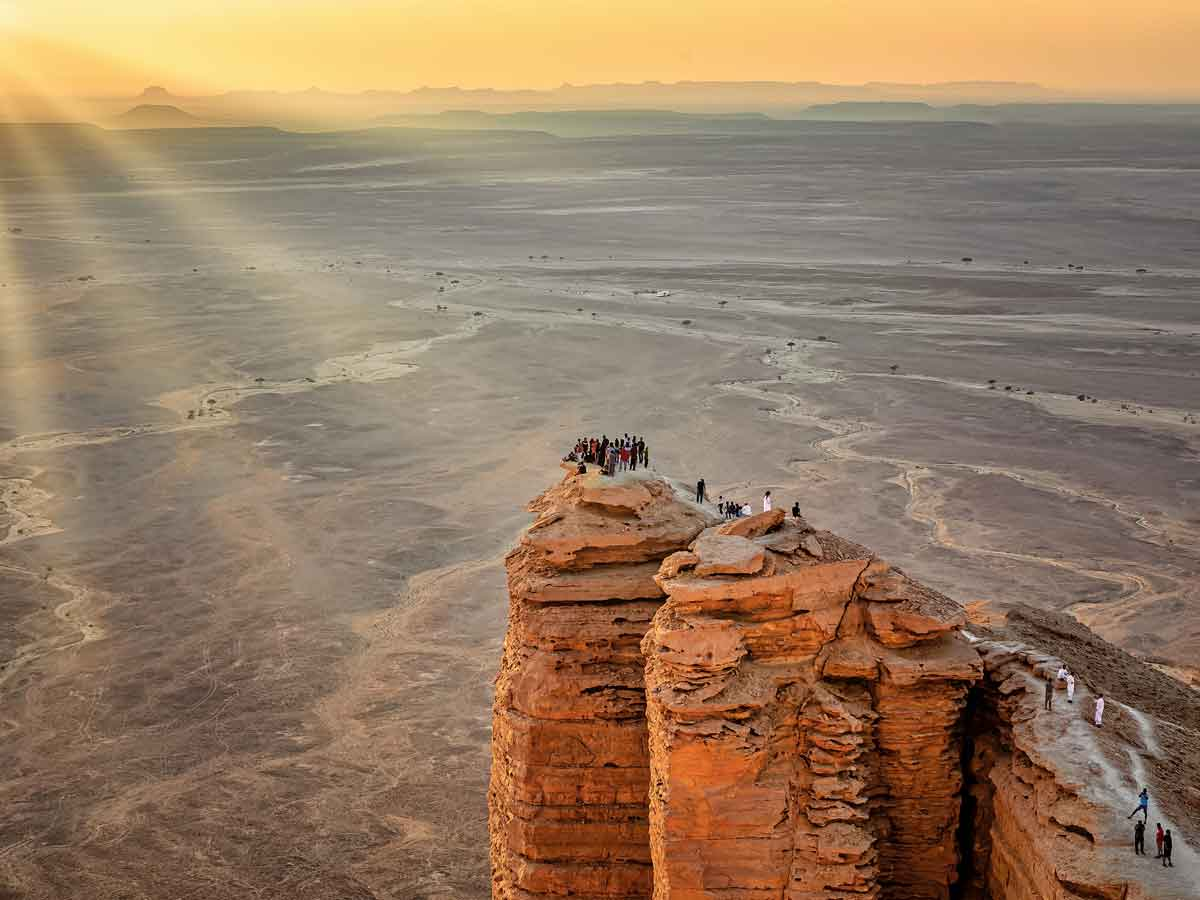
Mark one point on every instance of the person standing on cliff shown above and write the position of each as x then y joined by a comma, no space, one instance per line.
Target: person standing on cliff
796,510
1049,693
1139,838
1070,688
1166,854
767,502
700,495
1143,806
1098,719
1158,840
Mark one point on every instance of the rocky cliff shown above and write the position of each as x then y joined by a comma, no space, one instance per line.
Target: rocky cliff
570,767
758,709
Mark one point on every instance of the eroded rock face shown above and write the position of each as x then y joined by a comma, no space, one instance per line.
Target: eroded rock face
804,721
570,768
758,709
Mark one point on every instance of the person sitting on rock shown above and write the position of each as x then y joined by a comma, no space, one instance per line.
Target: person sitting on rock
747,511
1143,806
1062,673
581,469
1139,838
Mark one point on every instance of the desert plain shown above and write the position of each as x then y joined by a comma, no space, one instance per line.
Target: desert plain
271,406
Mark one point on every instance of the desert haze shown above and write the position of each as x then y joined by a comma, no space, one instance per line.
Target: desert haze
273,404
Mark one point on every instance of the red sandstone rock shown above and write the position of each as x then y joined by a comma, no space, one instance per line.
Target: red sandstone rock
570,769
802,724
760,710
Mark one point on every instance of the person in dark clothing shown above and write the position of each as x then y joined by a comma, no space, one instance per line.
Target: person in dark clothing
700,495
796,510
1049,692
1166,857
581,469
1139,838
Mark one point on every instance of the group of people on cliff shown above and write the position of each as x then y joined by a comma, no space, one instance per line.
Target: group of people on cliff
1163,841
623,454
1162,837
735,509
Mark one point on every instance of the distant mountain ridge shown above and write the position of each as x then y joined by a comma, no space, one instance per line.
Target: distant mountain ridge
156,115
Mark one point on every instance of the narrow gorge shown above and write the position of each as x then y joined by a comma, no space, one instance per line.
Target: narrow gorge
689,708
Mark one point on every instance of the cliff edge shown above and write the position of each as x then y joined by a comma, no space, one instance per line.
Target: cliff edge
692,709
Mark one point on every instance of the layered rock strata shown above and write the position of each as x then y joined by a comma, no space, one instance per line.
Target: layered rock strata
804,701
1038,823
758,709
570,769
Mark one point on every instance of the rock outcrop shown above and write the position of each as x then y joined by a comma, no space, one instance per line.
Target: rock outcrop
758,709
804,701
570,769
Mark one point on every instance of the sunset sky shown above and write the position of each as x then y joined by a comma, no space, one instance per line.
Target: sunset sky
1099,47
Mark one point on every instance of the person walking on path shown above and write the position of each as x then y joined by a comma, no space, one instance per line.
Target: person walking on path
1070,688
1143,806
700,495
1139,838
1049,693
796,510
767,502
1158,840
1166,854
1098,717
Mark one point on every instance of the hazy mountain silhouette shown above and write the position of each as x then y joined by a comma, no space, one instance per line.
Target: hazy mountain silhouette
152,115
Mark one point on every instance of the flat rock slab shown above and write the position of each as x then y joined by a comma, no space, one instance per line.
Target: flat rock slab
724,554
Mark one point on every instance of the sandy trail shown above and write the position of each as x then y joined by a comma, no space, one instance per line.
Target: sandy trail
76,616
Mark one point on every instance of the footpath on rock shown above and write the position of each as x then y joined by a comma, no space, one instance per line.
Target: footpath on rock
760,709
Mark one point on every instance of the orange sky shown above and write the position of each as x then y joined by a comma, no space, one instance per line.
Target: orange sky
1140,47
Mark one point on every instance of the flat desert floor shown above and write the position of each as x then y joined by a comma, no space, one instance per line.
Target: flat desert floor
271,406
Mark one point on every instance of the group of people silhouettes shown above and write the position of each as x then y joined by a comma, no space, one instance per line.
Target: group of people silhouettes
1162,838
623,454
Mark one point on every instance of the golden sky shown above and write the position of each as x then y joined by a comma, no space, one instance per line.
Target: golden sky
1136,47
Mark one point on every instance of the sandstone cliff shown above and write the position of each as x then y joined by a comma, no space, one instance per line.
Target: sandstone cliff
570,768
804,708
758,709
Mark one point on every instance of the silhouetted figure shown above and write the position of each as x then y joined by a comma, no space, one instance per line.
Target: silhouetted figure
1143,806
581,469
1166,855
1139,838
796,510
1049,692
700,495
